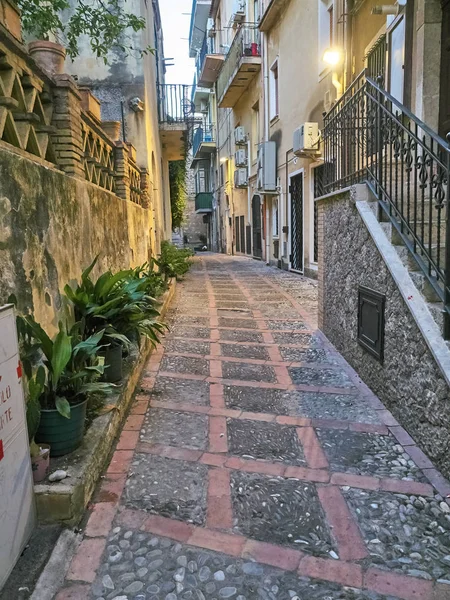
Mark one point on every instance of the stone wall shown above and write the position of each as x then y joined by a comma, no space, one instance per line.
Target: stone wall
409,381
52,226
193,226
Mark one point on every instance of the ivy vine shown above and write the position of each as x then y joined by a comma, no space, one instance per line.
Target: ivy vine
178,191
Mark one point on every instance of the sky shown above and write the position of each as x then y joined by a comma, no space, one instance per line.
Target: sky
176,18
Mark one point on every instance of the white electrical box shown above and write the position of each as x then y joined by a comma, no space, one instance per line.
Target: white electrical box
267,167
306,139
240,158
239,11
240,137
240,178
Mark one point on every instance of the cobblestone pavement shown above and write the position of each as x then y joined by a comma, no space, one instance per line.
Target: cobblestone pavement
255,465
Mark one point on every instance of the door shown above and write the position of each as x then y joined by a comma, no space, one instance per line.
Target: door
257,229
237,237
242,232
444,94
296,194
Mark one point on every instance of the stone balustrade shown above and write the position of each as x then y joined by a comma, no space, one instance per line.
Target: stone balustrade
51,119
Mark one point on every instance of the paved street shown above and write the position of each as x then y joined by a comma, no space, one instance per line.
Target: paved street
256,465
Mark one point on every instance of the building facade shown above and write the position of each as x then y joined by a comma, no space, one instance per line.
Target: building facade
265,78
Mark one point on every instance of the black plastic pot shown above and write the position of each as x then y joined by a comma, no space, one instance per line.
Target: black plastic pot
63,435
113,363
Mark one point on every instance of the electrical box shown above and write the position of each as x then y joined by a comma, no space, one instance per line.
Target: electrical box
267,167
239,11
240,137
240,178
306,139
240,158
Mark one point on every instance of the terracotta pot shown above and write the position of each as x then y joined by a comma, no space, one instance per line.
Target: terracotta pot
50,56
40,464
112,129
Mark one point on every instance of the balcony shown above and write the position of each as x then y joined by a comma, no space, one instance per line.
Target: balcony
242,63
209,64
271,11
175,112
204,202
204,143
199,18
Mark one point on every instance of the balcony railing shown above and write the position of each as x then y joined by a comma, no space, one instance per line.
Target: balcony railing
246,44
369,136
175,104
203,202
203,134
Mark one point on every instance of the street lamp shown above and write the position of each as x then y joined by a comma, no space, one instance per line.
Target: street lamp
334,57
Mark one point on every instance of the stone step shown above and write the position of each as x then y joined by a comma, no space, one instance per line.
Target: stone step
423,285
436,310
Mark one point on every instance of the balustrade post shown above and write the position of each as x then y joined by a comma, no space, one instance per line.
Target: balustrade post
121,170
68,141
379,138
446,331
145,183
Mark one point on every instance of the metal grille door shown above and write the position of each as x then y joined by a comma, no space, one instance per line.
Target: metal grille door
257,227
318,192
296,192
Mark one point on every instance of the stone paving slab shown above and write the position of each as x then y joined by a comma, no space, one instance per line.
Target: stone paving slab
255,461
166,487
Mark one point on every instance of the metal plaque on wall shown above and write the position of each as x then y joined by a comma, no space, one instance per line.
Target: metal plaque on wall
371,321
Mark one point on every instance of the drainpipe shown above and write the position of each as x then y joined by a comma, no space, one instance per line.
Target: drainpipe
266,86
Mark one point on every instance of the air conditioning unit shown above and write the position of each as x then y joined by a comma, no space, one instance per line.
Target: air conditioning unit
267,168
240,178
240,158
238,11
204,106
306,139
240,137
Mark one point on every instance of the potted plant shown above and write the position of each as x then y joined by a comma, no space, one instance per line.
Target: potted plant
70,370
120,306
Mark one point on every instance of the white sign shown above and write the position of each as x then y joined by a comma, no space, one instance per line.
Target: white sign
17,512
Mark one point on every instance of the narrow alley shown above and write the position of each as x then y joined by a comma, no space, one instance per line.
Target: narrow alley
256,465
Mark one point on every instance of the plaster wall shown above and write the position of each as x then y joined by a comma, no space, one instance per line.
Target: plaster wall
408,382
51,228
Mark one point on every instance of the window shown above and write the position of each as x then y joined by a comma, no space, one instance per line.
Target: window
273,91
201,179
326,30
255,132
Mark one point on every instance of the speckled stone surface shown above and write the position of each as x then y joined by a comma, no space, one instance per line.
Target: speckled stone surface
184,364
248,372
241,336
238,351
410,534
170,488
286,325
187,346
368,454
320,377
168,389
236,322
156,568
267,441
281,511
307,339
172,428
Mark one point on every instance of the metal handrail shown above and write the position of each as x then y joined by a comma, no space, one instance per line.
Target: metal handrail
246,42
175,104
204,133
370,136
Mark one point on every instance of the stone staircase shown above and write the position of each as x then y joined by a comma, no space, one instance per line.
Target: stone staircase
419,279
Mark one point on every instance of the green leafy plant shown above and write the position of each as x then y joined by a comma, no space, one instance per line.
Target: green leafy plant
118,304
70,369
178,191
173,261
105,22
151,279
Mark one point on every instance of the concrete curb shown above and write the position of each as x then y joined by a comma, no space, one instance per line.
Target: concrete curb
66,501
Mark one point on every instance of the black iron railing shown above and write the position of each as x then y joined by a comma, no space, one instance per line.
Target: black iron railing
203,134
175,103
370,136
